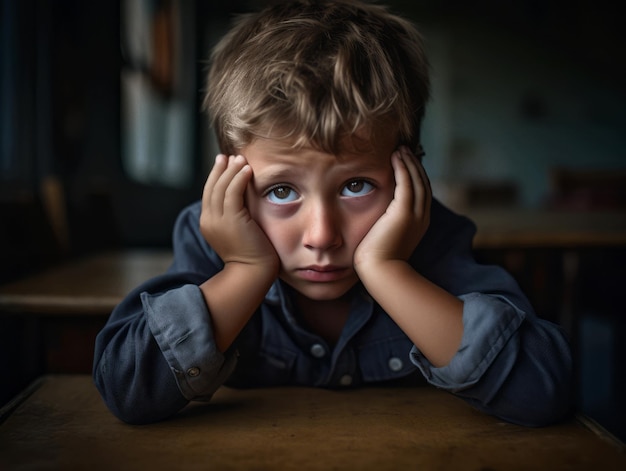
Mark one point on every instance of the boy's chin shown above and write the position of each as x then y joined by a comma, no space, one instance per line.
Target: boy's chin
322,291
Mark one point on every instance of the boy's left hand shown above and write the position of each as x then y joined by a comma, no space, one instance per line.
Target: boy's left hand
398,231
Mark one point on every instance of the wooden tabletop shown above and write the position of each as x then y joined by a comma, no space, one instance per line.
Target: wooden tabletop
90,285
64,424
523,228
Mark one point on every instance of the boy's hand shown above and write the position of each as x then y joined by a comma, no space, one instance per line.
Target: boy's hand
398,231
225,222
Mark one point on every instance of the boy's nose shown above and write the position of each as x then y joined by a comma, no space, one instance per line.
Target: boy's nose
321,229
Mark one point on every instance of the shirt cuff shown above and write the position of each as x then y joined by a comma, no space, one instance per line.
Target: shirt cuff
488,324
179,321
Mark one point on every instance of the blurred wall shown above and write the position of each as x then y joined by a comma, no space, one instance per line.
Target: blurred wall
520,93
504,109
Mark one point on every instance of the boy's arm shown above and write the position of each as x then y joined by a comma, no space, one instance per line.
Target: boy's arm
430,316
250,262
166,342
147,355
157,350
505,360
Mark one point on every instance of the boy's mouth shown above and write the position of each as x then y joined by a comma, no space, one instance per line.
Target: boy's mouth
322,273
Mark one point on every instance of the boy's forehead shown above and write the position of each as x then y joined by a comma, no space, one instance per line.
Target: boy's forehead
380,136
280,155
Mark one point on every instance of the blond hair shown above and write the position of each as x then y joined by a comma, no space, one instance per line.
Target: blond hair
314,72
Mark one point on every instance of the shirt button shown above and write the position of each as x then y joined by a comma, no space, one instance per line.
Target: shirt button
318,350
395,364
345,380
193,371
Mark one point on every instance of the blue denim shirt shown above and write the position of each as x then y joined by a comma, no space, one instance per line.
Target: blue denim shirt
157,351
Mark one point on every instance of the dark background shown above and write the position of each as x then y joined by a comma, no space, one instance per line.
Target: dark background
62,135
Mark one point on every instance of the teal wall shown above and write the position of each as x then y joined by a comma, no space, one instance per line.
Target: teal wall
508,108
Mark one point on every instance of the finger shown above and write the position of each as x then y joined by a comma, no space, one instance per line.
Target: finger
235,192
419,181
408,182
218,168
428,194
402,193
222,183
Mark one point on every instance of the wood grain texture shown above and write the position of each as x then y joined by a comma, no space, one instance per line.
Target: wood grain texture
65,425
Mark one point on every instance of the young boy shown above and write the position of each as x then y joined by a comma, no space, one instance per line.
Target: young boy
317,256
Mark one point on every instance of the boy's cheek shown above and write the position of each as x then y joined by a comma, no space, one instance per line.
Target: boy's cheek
254,203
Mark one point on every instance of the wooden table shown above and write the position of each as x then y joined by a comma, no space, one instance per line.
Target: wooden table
49,321
92,285
571,265
531,228
63,424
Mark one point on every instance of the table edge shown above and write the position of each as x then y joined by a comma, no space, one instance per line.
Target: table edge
585,421
20,398
601,432
53,305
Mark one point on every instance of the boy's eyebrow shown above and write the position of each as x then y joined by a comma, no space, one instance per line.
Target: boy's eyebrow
282,171
273,173
278,172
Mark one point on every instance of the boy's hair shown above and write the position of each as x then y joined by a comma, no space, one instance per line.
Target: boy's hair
315,72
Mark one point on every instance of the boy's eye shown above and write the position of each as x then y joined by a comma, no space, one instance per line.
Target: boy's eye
281,194
357,188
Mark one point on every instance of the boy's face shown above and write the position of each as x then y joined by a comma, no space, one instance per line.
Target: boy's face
316,208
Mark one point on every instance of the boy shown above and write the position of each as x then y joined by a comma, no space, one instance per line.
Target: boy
316,256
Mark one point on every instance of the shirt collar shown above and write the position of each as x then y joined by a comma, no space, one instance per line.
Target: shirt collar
360,312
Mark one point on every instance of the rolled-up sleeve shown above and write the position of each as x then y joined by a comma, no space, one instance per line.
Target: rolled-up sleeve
180,324
511,363
157,352
488,324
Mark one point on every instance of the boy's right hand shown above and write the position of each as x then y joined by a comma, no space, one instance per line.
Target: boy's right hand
226,223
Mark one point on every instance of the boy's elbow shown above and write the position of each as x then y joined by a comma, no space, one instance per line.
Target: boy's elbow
549,410
530,396
536,403
135,399
540,390
546,410
136,409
